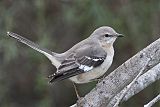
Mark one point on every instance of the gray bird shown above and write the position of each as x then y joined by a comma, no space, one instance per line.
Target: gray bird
85,61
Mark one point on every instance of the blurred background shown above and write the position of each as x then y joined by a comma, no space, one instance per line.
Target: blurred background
58,25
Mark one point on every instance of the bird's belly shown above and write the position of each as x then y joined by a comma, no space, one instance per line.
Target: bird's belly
93,74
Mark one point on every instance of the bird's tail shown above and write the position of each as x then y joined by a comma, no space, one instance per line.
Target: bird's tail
31,44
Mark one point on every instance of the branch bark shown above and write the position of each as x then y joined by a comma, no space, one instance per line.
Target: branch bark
111,85
142,82
128,87
151,103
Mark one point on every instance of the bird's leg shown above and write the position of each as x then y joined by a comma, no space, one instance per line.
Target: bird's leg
101,78
75,88
96,80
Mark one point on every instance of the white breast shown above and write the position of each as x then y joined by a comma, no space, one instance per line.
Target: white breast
96,72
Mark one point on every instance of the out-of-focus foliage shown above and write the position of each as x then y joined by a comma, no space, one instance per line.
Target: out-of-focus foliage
58,25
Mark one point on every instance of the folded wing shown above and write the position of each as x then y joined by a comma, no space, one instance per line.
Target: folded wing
78,63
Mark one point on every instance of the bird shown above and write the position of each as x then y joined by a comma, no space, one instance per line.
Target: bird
85,61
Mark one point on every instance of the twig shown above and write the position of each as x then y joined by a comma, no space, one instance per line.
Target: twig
152,102
129,86
75,105
142,82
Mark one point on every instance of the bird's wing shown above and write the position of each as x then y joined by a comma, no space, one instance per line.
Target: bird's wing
31,44
79,62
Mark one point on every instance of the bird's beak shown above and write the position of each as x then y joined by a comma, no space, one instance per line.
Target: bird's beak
120,35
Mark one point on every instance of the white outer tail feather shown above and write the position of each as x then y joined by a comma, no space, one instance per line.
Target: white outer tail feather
49,54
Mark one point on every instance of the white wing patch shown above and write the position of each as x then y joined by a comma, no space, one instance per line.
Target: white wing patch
94,59
85,67
88,57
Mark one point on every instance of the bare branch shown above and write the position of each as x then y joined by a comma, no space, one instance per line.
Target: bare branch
75,105
125,90
101,95
142,82
151,103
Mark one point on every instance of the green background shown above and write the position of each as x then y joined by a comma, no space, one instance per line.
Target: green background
58,25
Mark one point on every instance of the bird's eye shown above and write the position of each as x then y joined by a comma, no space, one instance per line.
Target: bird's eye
106,35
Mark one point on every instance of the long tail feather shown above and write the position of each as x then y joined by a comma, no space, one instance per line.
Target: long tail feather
33,45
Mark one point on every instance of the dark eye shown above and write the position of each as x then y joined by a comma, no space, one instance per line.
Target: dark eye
106,35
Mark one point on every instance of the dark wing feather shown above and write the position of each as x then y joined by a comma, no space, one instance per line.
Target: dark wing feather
70,68
79,62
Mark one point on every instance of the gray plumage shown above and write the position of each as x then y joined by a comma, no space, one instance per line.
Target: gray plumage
85,61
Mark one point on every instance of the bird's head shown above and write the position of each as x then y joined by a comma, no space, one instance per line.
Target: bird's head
105,35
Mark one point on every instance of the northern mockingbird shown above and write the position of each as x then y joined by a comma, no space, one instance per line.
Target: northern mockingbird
85,61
